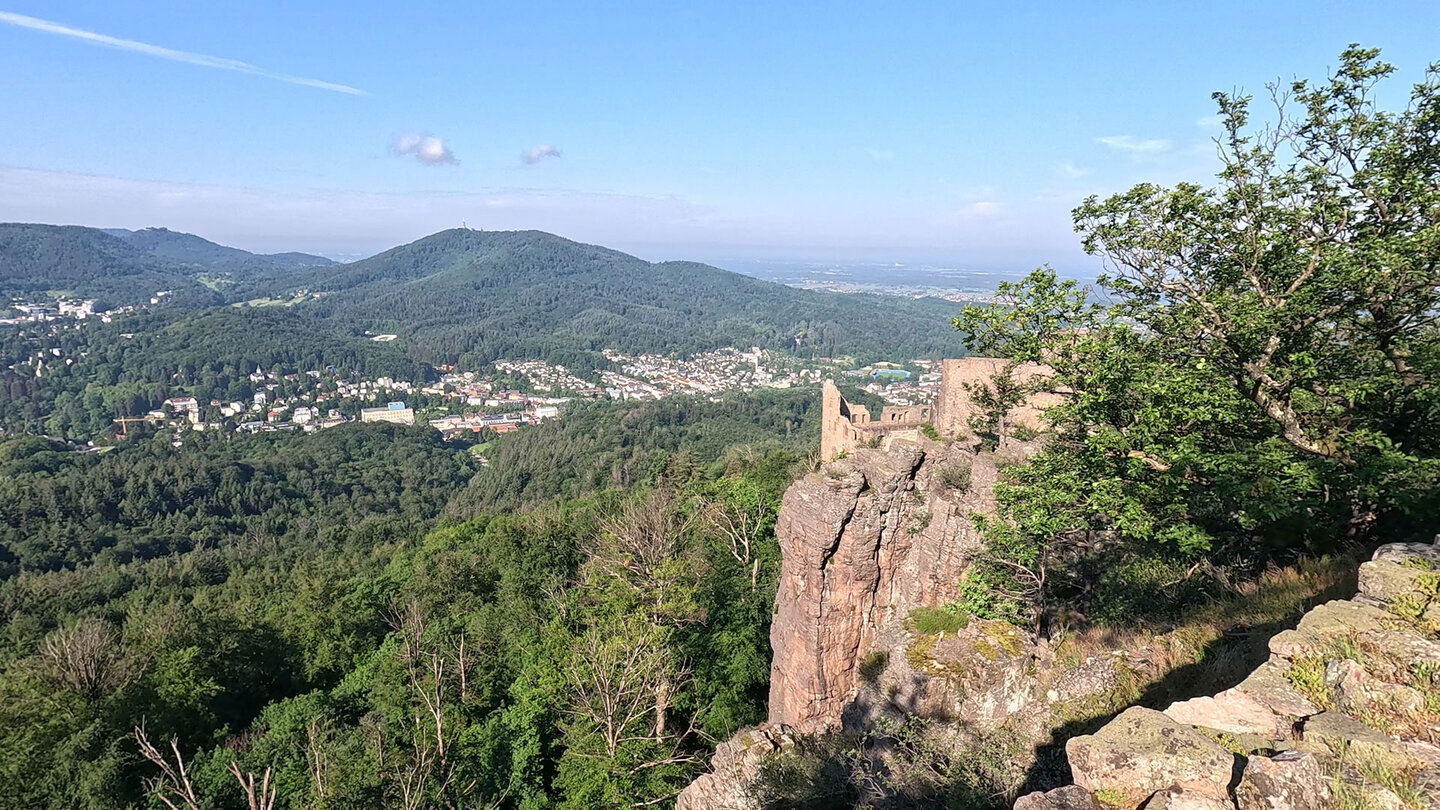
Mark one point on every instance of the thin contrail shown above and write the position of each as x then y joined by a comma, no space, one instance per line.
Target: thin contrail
188,58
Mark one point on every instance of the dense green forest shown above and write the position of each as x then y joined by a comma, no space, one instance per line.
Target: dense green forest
601,445
119,267
299,603
191,250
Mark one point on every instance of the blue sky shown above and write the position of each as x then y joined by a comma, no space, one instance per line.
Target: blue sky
948,132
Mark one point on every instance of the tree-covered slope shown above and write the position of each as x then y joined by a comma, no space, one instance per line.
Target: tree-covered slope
37,260
189,249
128,267
518,293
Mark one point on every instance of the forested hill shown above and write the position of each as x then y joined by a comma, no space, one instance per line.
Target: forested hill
127,267
187,248
491,294
38,260
471,297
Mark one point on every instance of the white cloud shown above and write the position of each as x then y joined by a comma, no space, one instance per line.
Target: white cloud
537,153
882,155
1130,143
982,208
200,59
1210,121
1072,171
427,149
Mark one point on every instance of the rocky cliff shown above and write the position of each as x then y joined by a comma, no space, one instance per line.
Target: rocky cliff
864,541
867,540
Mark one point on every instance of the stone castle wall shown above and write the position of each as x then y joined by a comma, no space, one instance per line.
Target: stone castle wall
844,426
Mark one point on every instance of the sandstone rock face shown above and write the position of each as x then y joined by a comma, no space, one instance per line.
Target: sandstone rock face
734,767
865,541
1234,710
1290,780
1142,751
1357,691
1182,799
1070,797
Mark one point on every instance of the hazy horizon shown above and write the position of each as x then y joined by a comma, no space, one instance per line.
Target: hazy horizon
744,131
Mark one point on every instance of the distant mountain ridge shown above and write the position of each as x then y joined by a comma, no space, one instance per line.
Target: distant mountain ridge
463,295
191,249
126,267
493,294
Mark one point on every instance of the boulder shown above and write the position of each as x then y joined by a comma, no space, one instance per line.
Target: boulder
1142,751
1338,732
1402,649
1327,622
1386,580
1379,798
1357,691
1290,780
734,767
1233,711
1070,797
1400,552
1270,685
1182,799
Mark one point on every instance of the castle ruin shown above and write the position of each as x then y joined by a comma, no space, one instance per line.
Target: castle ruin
844,426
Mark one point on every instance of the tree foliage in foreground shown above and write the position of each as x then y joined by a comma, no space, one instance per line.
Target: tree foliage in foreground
281,614
1263,376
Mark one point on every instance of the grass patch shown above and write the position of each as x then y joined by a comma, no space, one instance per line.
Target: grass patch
932,621
1106,797
1307,674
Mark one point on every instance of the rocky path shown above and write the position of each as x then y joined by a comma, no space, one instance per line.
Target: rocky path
1345,714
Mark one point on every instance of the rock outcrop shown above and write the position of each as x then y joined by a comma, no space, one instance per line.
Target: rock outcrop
733,768
1346,713
866,540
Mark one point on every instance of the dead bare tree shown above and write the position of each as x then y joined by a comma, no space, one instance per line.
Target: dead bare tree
172,787
741,524
618,682
316,733
636,543
257,797
86,658
435,673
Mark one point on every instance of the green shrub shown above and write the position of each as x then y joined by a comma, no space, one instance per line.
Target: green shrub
872,666
955,475
919,521
1024,433
928,431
